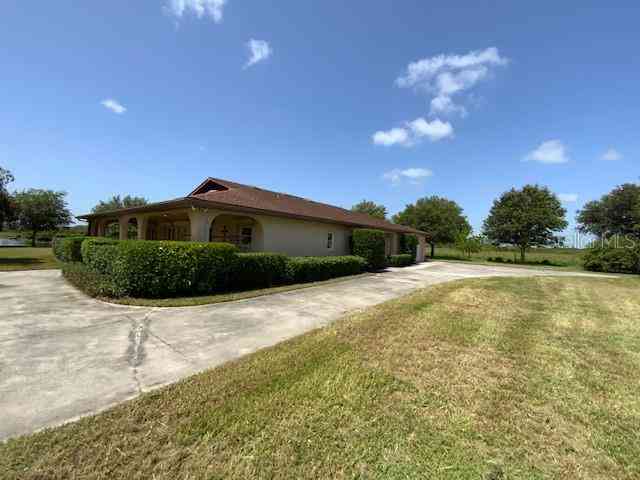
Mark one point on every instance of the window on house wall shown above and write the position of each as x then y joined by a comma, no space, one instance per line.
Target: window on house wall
330,241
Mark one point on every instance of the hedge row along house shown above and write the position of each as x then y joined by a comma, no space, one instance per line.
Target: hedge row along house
252,218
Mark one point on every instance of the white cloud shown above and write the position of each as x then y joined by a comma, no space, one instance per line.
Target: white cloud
391,137
445,106
444,76
611,155
568,197
413,175
434,131
259,50
200,8
114,106
413,132
549,152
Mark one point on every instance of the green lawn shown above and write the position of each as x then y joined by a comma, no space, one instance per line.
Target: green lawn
567,258
478,379
27,258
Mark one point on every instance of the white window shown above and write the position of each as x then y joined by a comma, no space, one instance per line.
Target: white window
330,241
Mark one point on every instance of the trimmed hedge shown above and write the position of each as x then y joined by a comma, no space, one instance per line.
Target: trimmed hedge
258,270
369,244
155,269
162,269
89,281
99,253
612,260
68,249
314,269
402,260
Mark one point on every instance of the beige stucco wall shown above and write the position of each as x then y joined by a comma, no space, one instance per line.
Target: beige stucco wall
422,248
303,238
271,234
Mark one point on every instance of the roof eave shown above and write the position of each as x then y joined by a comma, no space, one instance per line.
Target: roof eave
199,202
171,204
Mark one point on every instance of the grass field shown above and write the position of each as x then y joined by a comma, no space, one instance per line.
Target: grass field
569,258
27,258
478,379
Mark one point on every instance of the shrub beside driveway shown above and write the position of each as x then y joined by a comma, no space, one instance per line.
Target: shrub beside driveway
164,269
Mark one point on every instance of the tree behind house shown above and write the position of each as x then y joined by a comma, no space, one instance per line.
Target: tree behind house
616,213
370,208
6,203
116,203
525,217
40,210
441,218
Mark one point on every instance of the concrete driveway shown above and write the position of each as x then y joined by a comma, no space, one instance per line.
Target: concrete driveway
64,355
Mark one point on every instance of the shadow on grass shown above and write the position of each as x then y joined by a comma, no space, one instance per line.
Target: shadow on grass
21,261
503,260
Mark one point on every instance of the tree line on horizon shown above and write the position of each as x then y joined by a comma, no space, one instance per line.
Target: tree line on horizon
525,217
36,210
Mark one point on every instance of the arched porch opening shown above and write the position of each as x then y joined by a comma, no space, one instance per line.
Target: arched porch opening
243,231
132,229
168,226
110,228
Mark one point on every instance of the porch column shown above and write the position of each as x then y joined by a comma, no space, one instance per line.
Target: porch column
143,224
422,246
200,224
100,228
123,222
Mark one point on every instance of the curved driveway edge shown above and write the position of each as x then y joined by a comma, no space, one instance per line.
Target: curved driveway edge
64,355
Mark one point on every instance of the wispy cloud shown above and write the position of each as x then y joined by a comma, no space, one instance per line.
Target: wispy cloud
445,76
568,197
413,132
412,175
611,155
549,152
259,50
114,106
212,9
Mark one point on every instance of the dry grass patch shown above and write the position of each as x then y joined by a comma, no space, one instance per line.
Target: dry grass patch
478,379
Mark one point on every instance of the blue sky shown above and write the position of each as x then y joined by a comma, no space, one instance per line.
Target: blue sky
332,100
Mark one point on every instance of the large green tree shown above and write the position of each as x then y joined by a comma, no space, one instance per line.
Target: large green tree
117,202
616,213
525,217
441,218
371,208
40,210
6,204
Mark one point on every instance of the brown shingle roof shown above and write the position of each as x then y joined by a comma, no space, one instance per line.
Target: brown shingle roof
221,193
239,195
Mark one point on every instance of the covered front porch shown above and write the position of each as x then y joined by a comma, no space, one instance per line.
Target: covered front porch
183,225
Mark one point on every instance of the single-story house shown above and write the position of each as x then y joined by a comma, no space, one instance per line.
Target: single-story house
252,218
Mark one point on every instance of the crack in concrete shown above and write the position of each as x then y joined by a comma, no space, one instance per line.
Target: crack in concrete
168,345
136,354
